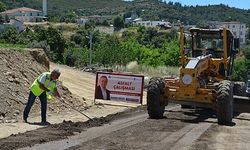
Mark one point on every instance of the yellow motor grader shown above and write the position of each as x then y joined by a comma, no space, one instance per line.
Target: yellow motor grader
204,78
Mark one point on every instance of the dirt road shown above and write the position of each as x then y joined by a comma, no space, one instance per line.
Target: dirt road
181,129
135,131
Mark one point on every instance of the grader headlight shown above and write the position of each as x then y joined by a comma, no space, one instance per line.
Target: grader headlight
187,79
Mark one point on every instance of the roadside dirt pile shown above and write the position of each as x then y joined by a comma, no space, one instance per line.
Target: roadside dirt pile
18,69
59,131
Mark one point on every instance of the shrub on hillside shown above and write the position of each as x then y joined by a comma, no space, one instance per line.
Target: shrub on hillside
10,35
42,44
76,57
240,70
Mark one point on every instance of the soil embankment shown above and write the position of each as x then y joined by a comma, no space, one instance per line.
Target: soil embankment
19,68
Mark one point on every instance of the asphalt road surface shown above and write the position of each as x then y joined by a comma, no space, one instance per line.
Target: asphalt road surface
179,130
193,129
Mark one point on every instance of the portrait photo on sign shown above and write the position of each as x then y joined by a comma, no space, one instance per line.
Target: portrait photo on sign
101,90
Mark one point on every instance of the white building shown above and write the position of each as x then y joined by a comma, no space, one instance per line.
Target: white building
131,19
24,14
82,20
13,23
150,23
239,30
17,24
176,26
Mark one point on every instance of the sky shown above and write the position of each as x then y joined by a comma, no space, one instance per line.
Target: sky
243,4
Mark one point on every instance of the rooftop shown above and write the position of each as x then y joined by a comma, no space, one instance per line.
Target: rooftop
22,9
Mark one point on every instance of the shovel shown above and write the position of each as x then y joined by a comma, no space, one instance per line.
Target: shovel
62,100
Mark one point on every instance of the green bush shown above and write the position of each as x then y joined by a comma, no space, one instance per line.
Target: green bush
42,44
10,35
240,70
76,57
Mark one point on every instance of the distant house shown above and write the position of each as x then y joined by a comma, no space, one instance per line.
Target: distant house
136,20
239,29
24,14
151,23
82,20
17,24
176,25
131,19
13,23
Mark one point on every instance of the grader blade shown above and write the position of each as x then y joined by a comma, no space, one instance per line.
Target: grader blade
241,104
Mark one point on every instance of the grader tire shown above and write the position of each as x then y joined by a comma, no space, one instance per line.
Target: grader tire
155,91
240,88
225,103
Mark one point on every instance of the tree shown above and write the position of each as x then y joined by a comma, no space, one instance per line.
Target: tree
6,18
76,56
57,44
1,19
109,51
70,17
2,7
82,37
105,23
239,70
54,39
10,35
118,22
248,33
171,53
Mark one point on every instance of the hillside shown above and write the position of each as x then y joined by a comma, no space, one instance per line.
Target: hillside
147,9
155,10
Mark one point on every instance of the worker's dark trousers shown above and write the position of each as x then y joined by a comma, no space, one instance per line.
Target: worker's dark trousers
31,100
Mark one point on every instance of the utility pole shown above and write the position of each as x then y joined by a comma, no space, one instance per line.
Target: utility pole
45,8
90,48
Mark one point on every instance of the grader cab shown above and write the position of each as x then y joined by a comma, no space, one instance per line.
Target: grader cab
204,78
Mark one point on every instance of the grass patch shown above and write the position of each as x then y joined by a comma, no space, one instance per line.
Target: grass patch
17,47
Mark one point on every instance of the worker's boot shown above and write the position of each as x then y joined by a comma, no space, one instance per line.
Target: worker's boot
25,120
44,122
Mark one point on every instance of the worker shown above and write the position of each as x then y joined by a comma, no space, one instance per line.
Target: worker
43,87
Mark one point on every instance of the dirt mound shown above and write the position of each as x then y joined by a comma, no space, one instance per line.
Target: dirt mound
60,131
18,69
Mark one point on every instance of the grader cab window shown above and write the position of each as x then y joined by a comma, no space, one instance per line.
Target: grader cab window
248,84
204,44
